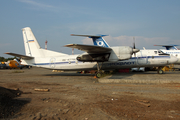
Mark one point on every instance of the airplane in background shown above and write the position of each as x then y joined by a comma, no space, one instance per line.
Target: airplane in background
143,58
12,64
95,57
169,47
172,50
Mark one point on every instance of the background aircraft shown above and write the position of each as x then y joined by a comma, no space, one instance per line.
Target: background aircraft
95,57
12,64
172,50
169,47
141,57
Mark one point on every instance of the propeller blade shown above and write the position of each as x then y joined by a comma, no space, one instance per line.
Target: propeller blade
134,43
134,48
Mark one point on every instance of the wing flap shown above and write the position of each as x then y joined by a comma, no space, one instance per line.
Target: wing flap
21,56
89,48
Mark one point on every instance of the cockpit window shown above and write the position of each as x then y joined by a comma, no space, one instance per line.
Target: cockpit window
159,51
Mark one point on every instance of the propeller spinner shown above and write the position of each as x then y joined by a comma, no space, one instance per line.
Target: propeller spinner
134,47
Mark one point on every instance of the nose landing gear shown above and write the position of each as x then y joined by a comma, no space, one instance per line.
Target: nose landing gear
160,71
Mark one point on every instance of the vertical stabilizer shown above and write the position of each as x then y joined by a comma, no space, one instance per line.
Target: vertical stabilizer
169,47
97,39
173,47
32,47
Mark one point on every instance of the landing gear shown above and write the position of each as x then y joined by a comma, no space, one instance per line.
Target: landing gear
98,74
160,71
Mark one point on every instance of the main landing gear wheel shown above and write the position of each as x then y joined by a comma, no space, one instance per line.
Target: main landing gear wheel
98,74
160,71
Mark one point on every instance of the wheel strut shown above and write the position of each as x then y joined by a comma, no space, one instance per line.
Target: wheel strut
98,74
160,71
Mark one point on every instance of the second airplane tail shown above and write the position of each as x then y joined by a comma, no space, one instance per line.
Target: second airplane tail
97,39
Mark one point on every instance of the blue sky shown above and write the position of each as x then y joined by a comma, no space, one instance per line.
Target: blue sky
149,21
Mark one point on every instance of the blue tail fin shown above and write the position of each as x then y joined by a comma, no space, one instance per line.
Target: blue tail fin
169,47
97,39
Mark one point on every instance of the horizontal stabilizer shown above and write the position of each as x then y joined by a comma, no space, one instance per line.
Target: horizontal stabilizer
90,36
21,56
89,48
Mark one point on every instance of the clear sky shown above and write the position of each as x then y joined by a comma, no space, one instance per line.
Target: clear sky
149,21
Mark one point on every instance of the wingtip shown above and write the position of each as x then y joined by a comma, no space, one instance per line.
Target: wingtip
6,52
69,45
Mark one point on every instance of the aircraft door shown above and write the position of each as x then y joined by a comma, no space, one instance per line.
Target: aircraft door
52,62
141,60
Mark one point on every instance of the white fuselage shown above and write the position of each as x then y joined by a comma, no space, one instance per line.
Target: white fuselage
36,56
175,53
144,58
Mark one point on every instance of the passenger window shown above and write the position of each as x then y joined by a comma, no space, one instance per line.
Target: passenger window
155,52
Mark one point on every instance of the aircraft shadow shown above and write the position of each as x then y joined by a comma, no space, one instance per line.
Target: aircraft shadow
9,104
122,75
127,75
69,74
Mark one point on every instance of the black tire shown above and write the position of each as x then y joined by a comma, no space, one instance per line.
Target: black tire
160,71
98,74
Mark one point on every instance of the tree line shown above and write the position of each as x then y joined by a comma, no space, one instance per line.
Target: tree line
2,59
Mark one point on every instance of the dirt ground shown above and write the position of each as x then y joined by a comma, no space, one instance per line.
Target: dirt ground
74,96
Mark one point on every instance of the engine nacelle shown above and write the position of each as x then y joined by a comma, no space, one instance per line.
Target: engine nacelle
93,57
121,53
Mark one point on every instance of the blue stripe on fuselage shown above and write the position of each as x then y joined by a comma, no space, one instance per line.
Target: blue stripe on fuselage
56,63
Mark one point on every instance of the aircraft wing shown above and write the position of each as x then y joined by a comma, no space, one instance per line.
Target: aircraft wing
21,56
89,48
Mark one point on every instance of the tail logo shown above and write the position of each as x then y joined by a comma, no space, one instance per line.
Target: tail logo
100,43
30,40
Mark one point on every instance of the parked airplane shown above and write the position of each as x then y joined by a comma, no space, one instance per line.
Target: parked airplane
172,50
143,58
95,57
12,64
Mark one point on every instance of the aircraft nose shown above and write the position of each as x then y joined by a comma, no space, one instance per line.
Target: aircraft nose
135,50
178,61
173,59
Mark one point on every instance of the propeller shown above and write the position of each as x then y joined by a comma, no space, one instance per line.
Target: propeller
134,48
